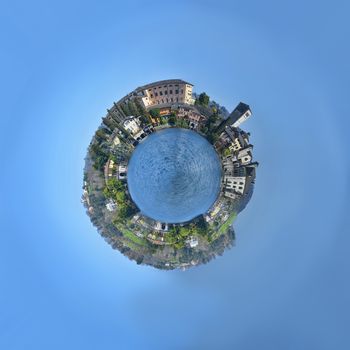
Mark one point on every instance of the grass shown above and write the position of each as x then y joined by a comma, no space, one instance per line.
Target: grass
223,228
131,236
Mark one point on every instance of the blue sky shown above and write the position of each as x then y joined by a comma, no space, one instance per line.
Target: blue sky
286,283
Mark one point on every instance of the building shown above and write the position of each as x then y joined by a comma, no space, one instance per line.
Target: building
109,169
233,139
122,170
240,114
160,226
235,183
235,180
245,155
111,205
165,92
131,124
250,177
116,141
192,242
231,194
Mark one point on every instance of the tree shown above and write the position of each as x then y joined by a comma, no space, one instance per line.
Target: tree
115,189
98,155
203,99
132,108
154,112
120,196
226,152
212,138
184,231
122,211
172,119
125,109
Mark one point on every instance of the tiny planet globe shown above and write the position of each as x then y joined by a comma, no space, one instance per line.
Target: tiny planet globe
167,173
174,175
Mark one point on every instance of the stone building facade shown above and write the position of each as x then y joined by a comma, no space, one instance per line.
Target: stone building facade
166,92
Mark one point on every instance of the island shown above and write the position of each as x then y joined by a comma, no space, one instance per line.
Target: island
167,173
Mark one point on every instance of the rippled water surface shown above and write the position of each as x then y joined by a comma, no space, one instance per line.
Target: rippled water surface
174,175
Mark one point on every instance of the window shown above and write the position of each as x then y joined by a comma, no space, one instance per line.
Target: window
176,91
182,91
156,93
165,92
241,183
160,93
172,100
171,91
151,95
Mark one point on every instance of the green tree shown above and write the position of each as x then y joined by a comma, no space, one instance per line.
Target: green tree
184,231
132,108
154,112
226,152
203,99
172,118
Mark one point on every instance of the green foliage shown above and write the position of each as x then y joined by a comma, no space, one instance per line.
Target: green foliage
212,138
184,231
154,112
115,189
142,112
132,108
172,119
203,99
181,123
98,155
201,224
224,227
101,135
124,107
120,196
109,122
226,152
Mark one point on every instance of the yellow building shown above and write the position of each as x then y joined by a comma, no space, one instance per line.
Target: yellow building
166,92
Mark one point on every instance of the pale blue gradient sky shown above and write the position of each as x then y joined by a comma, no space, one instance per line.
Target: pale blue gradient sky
286,283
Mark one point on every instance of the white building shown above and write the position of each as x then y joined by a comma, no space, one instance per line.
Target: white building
111,205
192,242
235,180
240,114
231,194
235,183
131,124
245,155
242,118
122,170
159,226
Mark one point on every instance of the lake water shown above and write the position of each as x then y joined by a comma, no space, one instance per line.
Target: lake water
174,175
